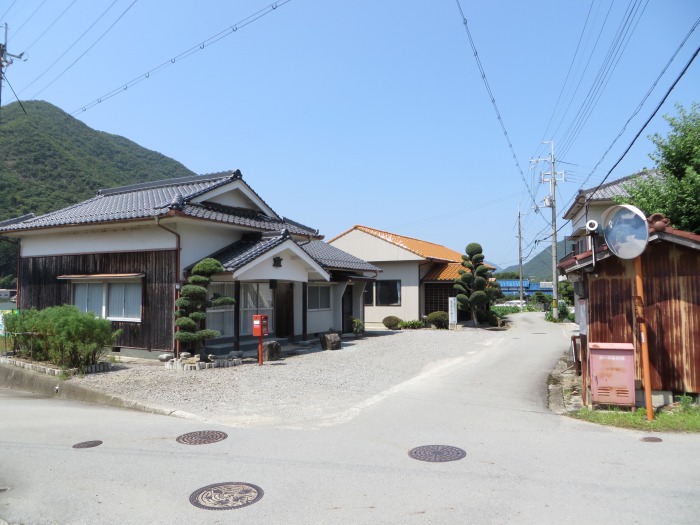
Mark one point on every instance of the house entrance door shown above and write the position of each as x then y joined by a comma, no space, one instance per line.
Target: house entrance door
347,310
256,298
284,310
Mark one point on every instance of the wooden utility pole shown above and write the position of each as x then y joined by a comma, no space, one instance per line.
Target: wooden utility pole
5,60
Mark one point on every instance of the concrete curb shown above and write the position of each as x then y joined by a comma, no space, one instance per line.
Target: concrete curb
29,381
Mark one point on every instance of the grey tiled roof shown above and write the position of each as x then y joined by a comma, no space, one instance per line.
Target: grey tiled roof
252,246
140,201
606,192
248,249
333,258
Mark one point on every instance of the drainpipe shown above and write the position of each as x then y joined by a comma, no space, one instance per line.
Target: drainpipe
177,264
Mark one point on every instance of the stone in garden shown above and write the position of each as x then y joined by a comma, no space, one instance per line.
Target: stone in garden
330,341
271,351
164,358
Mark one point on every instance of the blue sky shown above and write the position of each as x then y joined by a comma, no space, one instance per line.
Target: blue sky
371,112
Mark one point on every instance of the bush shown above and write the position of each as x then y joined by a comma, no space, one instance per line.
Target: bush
63,335
391,322
440,320
410,325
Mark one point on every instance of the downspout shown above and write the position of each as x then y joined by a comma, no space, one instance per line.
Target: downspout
177,276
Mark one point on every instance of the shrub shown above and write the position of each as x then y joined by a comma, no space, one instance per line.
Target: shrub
63,335
391,322
410,325
440,320
357,326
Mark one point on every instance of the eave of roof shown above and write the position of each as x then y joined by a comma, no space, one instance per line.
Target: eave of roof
424,249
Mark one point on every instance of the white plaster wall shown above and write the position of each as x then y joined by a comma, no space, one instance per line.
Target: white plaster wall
199,240
293,268
97,241
372,249
409,310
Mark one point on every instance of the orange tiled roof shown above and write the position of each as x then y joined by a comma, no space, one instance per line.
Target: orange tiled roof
444,272
425,249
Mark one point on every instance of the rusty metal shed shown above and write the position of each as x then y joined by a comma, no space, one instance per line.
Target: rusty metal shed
671,280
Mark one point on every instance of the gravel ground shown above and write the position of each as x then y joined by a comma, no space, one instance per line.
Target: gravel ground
313,388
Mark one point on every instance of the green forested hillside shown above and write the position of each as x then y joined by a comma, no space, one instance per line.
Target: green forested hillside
540,266
49,160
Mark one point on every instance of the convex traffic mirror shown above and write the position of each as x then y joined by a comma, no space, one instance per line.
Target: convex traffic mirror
626,231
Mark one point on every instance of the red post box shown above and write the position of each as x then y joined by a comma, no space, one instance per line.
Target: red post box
260,325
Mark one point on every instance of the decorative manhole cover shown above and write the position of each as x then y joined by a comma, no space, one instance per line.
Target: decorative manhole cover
226,496
202,437
437,453
651,439
88,444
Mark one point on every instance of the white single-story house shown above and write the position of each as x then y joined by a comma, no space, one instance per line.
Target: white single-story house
417,276
125,253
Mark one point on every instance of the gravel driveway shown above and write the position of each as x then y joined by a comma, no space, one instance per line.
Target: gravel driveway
314,388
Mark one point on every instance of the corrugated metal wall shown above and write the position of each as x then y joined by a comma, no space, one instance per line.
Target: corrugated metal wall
672,311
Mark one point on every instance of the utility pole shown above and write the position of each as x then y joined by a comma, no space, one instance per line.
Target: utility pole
551,202
520,259
5,60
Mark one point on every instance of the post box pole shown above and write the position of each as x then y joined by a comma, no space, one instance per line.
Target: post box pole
260,349
646,370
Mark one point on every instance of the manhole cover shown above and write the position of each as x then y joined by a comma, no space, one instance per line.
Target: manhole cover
226,496
202,437
4,489
437,453
651,439
88,444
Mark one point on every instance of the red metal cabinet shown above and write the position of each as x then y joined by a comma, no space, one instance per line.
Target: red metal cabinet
260,325
612,373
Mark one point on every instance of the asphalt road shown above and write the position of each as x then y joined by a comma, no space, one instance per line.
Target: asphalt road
523,464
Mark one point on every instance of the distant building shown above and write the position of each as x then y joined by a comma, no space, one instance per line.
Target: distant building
512,287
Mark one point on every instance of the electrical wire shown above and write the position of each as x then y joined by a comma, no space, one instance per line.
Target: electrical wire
192,50
8,9
86,51
656,110
50,25
493,102
644,99
71,47
14,34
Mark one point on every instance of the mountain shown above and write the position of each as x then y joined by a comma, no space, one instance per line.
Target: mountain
539,268
50,160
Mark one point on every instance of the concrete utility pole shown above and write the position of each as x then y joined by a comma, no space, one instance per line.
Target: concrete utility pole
520,259
5,60
551,202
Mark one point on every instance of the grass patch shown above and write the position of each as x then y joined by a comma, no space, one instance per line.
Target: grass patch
679,417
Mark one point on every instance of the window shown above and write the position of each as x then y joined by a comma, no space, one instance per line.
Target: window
120,301
388,293
368,294
319,297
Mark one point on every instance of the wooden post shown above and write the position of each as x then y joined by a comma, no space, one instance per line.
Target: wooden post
641,321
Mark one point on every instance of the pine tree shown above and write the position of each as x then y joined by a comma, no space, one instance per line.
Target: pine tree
193,303
472,285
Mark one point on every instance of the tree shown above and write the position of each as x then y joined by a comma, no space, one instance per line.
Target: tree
675,191
507,275
193,303
472,285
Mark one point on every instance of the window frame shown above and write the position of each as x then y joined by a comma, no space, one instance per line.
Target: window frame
105,284
316,288
386,282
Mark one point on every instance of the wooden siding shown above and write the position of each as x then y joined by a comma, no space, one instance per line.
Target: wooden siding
437,299
671,276
40,288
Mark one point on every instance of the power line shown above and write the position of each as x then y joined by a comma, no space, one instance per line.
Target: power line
86,51
656,110
71,46
644,99
51,25
493,102
194,49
